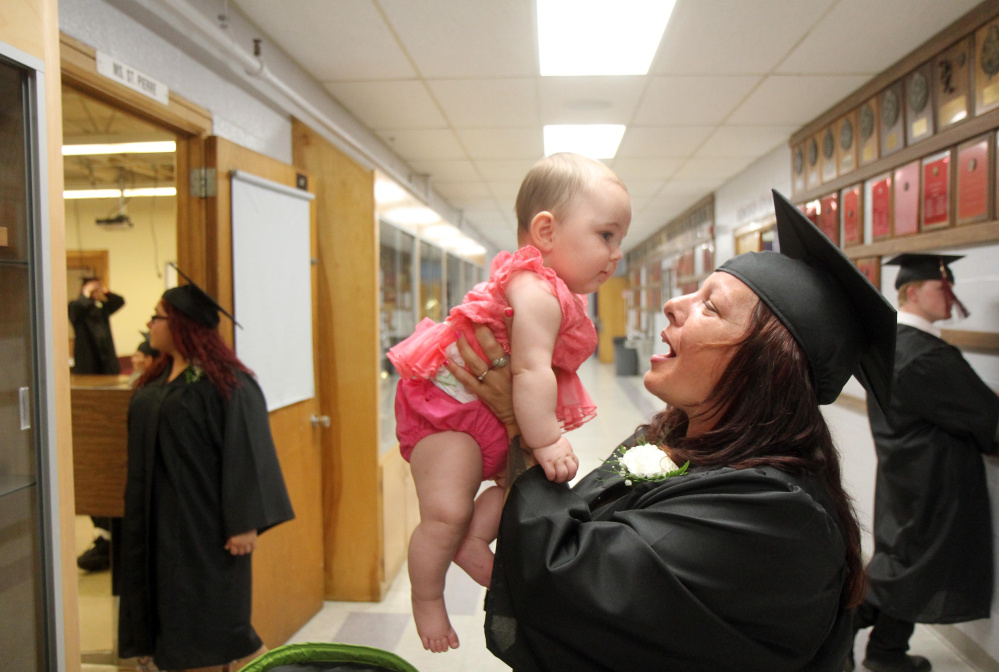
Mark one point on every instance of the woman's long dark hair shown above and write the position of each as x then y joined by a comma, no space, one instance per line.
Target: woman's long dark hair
199,345
768,416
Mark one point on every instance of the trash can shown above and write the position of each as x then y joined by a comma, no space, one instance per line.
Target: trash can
625,358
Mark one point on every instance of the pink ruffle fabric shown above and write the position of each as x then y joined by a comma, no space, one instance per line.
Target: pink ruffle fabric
420,355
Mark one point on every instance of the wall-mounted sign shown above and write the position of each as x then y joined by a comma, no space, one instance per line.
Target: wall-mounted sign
128,76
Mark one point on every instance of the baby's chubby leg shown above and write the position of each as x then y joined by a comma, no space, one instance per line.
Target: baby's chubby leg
474,555
447,471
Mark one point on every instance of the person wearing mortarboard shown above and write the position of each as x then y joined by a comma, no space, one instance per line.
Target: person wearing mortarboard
751,560
932,559
142,358
203,481
94,354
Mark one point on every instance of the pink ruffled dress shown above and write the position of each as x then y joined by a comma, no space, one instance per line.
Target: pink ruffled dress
422,408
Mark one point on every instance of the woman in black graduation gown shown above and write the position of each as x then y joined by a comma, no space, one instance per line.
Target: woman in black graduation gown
751,560
203,482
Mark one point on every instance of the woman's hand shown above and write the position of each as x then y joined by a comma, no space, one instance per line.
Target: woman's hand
241,544
496,388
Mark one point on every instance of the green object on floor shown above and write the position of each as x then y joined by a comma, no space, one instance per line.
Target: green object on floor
328,657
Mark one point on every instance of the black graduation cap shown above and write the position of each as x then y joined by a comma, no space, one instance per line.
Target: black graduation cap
195,303
839,319
145,348
916,267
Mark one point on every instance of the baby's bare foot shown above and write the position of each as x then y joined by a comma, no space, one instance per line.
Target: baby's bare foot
433,626
475,557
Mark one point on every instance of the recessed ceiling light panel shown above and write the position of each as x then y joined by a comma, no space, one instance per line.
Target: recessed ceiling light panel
597,141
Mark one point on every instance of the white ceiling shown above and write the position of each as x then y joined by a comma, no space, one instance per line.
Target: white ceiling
453,87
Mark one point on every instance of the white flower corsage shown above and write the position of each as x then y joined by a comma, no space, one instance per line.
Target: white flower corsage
644,463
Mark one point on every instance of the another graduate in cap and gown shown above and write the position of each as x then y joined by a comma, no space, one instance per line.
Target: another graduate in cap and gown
203,482
932,558
749,561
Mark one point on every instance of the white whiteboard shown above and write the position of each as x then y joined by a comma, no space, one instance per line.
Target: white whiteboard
272,286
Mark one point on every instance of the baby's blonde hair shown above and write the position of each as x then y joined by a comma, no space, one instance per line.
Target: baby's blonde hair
555,180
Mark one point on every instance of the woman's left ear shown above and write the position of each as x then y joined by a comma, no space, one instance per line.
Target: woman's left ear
543,231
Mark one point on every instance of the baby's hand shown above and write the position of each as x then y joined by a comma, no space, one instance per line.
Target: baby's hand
558,460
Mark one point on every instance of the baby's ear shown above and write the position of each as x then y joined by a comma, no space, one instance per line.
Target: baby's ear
543,231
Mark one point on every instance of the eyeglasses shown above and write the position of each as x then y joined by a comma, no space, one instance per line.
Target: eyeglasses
158,317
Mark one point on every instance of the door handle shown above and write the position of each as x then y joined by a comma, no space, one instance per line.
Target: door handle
317,420
24,398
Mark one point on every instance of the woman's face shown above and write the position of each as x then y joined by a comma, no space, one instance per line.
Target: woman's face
704,329
160,337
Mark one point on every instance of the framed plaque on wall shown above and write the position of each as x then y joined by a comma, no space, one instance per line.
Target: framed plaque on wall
987,67
952,80
891,119
936,191
813,176
919,104
846,139
972,172
881,206
868,128
851,199
905,200
828,149
798,169
829,216
871,268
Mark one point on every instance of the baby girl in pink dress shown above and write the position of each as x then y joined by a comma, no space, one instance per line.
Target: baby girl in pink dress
572,213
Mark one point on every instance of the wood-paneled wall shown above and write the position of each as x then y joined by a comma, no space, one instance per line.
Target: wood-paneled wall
33,27
347,355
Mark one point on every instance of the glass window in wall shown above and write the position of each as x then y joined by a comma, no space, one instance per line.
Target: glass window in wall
455,282
431,282
397,313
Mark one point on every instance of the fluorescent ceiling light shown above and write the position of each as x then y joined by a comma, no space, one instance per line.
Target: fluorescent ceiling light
387,191
412,216
164,147
600,37
597,141
71,194
440,232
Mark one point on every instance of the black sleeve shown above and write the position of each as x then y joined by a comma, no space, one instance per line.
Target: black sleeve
113,304
78,308
254,496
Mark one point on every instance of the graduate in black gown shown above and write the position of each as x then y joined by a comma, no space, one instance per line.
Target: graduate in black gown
932,559
203,482
749,561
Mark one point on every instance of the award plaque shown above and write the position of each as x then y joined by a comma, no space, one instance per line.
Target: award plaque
811,210
936,191
987,67
846,138
905,200
867,127
829,216
881,204
952,79
798,169
871,268
919,104
813,166
890,119
827,149
853,217
972,183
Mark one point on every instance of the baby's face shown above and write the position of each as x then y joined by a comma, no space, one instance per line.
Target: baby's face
588,236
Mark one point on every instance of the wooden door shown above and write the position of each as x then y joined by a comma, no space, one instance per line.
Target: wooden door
288,562
612,314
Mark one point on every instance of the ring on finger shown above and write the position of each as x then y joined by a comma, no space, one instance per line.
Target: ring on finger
479,378
500,362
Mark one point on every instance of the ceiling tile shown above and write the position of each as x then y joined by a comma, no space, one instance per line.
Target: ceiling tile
381,105
504,170
744,141
692,101
645,169
484,103
703,169
344,41
457,38
503,143
446,171
721,37
460,193
642,189
505,193
648,142
428,144
589,100
856,40
794,101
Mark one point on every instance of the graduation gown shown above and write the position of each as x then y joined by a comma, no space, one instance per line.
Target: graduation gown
200,470
93,346
932,559
719,569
